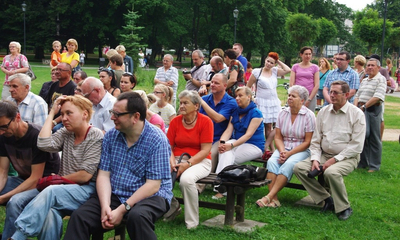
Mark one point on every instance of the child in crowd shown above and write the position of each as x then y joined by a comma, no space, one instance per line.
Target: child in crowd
55,55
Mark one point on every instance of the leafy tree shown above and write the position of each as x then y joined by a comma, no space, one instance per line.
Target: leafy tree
327,31
302,29
368,27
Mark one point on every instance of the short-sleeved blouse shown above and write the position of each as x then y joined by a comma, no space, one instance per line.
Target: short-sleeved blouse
305,76
19,61
165,112
294,134
68,59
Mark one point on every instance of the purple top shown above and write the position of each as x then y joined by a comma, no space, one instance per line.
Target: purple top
305,76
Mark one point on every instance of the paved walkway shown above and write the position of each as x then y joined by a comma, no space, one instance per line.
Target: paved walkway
391,135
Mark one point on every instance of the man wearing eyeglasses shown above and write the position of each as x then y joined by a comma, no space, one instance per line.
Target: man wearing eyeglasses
134,178
18,146
64,86
93,89
336,145
369,99
342,72
32,108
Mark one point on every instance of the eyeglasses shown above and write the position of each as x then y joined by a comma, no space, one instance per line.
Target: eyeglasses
335,93
155,92
340,59
127,73
86,95
62,70
117,115
5,127
78,90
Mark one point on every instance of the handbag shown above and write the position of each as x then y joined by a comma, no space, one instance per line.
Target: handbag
30,72
44,182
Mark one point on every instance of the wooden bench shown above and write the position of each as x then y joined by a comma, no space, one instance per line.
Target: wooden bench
235,192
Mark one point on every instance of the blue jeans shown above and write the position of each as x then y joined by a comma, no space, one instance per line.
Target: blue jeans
286,168
12,182
15,206
42,217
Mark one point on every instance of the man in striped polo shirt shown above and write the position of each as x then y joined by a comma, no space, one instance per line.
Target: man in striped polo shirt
369,99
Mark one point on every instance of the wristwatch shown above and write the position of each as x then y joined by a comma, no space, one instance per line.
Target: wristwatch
127,206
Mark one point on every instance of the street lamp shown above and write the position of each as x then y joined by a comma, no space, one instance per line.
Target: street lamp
384,28
235,15
23,5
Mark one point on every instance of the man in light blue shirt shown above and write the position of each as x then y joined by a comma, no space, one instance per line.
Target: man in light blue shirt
33,108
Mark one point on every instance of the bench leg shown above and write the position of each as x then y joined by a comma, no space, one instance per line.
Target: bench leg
120,231
230,206
240,203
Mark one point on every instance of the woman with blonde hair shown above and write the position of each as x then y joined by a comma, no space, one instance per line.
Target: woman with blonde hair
12,64
359,63
324,70
163,106
71,57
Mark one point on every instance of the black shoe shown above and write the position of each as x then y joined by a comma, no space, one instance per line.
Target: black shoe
328,205
344,215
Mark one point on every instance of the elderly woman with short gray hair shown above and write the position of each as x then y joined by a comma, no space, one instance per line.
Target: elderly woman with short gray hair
12,64
294,129
190,132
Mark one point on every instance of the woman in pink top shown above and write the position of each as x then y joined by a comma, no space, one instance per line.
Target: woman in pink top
153,118
306,74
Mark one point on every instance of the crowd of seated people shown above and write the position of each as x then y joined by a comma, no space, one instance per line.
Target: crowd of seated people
224,127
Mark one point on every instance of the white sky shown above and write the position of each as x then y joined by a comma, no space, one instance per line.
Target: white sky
355,4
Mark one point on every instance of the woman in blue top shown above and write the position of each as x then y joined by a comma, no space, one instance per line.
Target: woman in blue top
243,139
324,70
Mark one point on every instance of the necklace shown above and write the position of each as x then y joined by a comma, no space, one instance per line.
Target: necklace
190,122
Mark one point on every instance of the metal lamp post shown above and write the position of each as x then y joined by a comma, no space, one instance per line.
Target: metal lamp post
384,28
235,15
23,5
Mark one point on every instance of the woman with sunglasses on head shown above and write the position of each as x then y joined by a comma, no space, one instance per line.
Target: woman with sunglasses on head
265,81
107,77
128,82
163,106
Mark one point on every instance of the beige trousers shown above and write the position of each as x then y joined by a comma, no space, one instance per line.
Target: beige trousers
333,177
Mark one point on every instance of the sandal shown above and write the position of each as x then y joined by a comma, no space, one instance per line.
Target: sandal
274,204
261,203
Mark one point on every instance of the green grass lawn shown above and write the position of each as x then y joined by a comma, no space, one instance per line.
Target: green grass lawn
373,196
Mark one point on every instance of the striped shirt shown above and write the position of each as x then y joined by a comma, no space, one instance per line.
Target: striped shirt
349,75
33,109
372,87
83,156
170,75
130,167
294,133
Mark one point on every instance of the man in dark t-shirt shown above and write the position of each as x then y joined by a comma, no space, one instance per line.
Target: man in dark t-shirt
18,145
64,86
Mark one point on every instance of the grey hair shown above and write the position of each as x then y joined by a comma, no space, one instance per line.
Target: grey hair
199,53
247,91
302,91
193,96
376,60
24,79
170,56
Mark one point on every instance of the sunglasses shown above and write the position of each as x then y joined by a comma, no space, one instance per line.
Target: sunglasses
102,69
